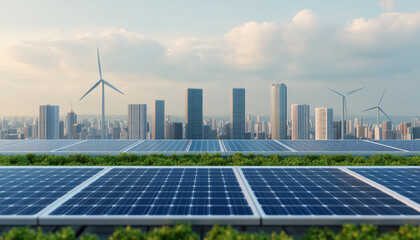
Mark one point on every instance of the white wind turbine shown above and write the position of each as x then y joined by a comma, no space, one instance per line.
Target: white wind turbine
101,80
378,108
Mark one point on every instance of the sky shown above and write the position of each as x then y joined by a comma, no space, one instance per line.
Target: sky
155,49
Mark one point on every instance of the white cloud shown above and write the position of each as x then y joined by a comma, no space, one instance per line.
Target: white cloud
387,4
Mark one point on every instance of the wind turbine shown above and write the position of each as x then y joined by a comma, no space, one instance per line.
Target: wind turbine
101,80
378,108
344,106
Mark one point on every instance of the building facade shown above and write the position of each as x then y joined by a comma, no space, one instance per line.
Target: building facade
158,120
323,123
237,113
300,121
279,111
137,121
49,122
194,113
71,119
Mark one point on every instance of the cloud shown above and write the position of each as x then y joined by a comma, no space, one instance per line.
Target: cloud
387,4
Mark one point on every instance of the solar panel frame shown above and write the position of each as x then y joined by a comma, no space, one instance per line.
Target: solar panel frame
203,145
38,146
160,146
260,146
96,147
33,219
270,220
254,219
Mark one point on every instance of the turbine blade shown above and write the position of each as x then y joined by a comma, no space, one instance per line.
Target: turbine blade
90,90
369,109
351,92
380,100
382,111
345,109
109,85
335,91
99,64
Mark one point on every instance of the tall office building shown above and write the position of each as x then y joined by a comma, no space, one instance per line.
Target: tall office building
300,121
158,121
323,123
71,119
194,113
137,121
61,130
237,113
279,111
49,122
387,132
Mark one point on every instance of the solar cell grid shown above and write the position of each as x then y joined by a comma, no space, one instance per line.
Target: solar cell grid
161,146
253,146
409,145
204,146
404,181
319,192
37,145
99,146
336,146
160,192
26,191
7,142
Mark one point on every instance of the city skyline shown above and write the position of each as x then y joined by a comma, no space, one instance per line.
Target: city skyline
243,49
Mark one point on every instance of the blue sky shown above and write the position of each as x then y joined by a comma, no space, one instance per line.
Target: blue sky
155,49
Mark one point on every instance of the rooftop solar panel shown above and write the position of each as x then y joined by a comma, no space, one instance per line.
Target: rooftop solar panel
152,195
204,146
99,146
7,142
336,146
321,196
408,145
402,180
253,146
161,146
25,191
34,146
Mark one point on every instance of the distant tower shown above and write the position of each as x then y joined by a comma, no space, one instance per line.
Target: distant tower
49,122
71,119
237,113
279,111
194,113
158,121
137,121
300,121
323,123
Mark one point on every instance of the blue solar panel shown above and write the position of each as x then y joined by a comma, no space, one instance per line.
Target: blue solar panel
405,181
409,145
99,146
37,145
160,191
253,146
161,146
336,146
26,191
317,192
204,146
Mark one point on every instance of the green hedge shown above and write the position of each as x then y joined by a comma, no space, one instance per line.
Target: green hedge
207,160
185,232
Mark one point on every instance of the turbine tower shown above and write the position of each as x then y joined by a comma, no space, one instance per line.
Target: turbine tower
344,106
378,108
101,80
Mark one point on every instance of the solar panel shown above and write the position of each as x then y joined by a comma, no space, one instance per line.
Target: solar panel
37,146
99,146
161,146
320,195
335,146
409,145
7,142
253,146
204,146
26,191
404,181
155,195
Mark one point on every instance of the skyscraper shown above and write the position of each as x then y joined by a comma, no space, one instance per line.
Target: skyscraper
237,113
300,121
194,113
137,120
279,111
71,119
49,122
158,121
323,123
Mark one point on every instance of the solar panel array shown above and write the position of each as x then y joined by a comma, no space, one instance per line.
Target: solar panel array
208,195
225,147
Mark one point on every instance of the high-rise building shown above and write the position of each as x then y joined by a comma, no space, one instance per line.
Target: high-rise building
61,129
194,113
323,123
387,132
279,111
237,113
158,121
404,127
137,121
71,119
49,122
300,121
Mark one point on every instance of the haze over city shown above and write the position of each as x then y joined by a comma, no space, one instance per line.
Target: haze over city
155,50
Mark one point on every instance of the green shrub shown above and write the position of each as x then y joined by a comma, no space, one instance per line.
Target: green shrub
228,233
20,233
179,231
127,234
